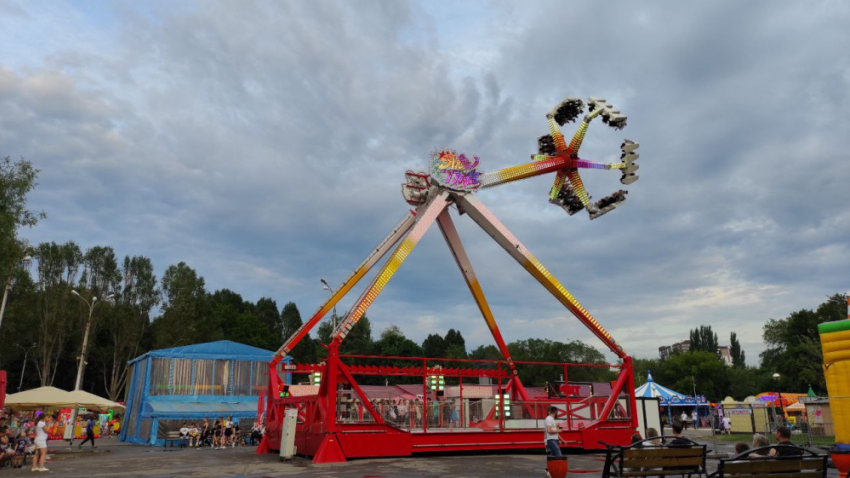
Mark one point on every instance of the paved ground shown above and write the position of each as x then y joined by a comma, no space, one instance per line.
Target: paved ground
112,458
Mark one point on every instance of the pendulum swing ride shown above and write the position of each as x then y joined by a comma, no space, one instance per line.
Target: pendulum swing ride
338,420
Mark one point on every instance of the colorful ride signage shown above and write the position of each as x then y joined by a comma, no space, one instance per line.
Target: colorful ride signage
455,171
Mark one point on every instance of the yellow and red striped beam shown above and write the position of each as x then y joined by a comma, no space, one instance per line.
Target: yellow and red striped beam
424,220
481,215
384,246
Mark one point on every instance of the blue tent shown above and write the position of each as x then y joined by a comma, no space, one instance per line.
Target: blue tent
669,398
653,390
187,384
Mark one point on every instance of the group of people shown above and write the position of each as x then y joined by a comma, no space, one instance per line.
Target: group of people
784,446
220,434
404,412
26,438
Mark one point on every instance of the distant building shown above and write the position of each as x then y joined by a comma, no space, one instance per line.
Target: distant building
666,351
680,347
724,354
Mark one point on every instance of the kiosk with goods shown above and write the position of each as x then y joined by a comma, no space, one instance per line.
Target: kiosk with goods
340,421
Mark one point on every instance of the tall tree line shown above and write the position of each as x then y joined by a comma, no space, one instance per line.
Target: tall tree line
793,351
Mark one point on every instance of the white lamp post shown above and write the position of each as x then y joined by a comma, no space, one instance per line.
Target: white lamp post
328,288
82,365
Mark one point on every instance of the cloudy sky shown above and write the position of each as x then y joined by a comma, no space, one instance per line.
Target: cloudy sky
263,143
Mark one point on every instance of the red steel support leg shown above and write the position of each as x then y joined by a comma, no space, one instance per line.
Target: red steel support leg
447,227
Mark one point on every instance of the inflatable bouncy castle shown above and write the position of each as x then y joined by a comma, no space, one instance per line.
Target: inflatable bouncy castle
835,340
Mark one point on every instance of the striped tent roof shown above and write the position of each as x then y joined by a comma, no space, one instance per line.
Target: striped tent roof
653,390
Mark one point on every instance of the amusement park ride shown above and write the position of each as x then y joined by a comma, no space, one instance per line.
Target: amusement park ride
591,415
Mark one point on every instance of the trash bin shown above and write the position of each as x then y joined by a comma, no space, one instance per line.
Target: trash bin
557,466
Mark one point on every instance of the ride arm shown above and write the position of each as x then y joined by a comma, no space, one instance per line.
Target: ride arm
492,226
400,230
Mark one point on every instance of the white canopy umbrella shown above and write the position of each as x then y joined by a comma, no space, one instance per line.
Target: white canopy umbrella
91,401
45,398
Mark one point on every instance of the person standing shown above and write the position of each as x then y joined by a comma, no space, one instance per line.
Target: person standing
89,434
552,437
684,419
217,438
695,418
41,430
228,431
205,431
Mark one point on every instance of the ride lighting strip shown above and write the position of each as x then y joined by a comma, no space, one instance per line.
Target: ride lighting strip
561,148
578,187
523,171
447,227
423,222
383,247
481,215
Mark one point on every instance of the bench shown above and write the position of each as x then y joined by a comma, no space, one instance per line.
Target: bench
647,459
173,436
807,465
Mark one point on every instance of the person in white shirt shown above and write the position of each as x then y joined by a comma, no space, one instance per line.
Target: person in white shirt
695,417
684,419
184,435
727,425
45,423
551,433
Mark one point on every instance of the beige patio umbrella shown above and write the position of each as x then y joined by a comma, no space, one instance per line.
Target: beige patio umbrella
91,401
43,398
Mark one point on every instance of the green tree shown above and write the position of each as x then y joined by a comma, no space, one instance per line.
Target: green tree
290,318
17,180
486,352
703,339
272,326
124,325
324,332
434,346
642,367
393,343
186,317
544,350
58,311
681,371
738,355
454,339
793,345
359,339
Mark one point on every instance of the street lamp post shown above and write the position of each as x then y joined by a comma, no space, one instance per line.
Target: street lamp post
25,261
82,365
328,288
70,428
24,366
779,396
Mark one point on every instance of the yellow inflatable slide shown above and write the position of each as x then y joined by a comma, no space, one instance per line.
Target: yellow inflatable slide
835,340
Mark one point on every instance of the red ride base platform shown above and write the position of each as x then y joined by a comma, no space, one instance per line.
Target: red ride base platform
341,422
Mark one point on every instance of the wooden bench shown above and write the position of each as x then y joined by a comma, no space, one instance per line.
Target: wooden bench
173,436
807,465
646,459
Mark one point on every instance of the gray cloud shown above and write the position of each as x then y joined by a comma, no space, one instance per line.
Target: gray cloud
264,143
